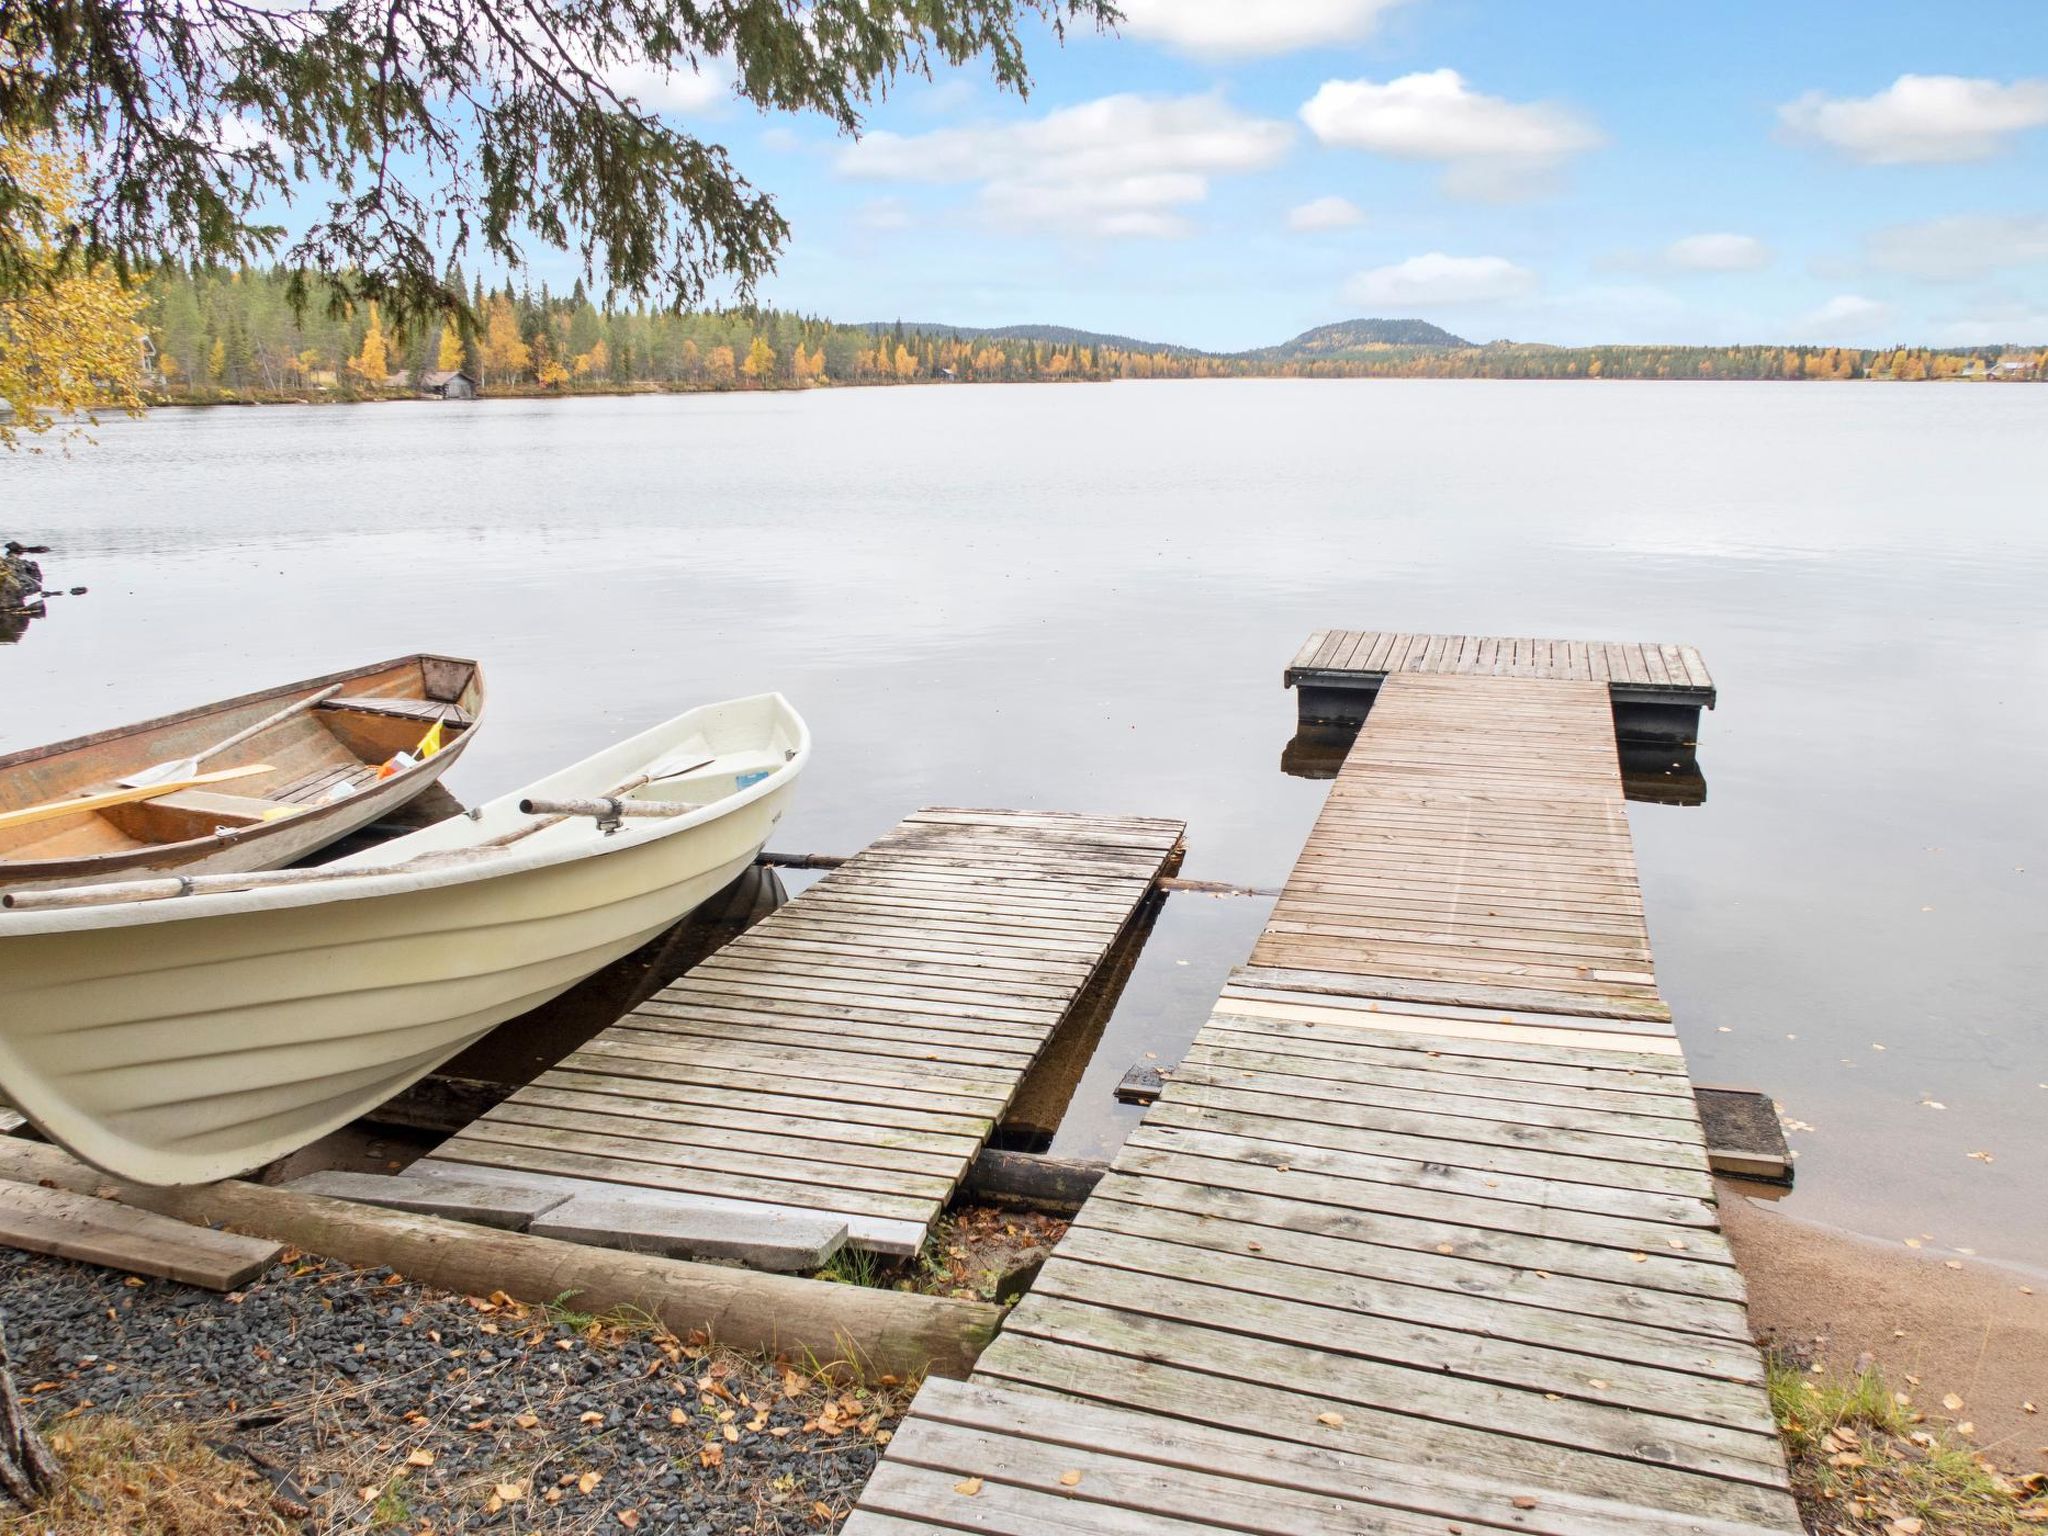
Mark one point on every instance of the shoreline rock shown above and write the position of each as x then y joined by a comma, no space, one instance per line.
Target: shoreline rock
21,580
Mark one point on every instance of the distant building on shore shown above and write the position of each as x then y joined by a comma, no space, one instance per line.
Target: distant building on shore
448,384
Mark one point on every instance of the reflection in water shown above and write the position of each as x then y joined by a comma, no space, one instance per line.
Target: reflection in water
1317,751
1042,1099
1660,773
1657,773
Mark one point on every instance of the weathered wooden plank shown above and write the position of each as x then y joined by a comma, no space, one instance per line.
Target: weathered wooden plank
74,1226
1244,1480
849,1054
1250,1296
1301,1410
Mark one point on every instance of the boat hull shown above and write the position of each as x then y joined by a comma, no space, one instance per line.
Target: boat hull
174,1051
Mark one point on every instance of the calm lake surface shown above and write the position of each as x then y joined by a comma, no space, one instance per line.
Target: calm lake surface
1082,597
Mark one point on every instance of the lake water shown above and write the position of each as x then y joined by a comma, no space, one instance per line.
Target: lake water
1083,597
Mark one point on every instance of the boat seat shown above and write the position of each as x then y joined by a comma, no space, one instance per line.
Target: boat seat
227,810
187,813
427,710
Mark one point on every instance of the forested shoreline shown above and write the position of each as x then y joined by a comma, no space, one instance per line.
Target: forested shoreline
227,335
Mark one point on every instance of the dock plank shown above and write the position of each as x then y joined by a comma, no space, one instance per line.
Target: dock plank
852,1052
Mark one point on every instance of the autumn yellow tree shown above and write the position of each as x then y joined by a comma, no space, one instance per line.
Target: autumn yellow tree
449,358
760,363
906,362
718,362
506,354
548,370
373,363
598,360
69,338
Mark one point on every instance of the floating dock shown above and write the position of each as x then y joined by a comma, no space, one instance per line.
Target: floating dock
1657,691
850,1054
1421,1235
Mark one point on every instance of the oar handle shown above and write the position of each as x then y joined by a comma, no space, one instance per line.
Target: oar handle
298,707
606,808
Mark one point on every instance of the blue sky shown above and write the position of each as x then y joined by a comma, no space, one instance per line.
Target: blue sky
1226,173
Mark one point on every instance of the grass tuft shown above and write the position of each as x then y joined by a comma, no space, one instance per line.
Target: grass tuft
160,1478
1864,1461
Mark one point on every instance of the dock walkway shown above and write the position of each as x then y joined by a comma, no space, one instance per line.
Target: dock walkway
1657,691
850,1054
1421,1234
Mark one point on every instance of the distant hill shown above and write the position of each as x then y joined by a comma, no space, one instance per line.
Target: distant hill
1349,337
1056,335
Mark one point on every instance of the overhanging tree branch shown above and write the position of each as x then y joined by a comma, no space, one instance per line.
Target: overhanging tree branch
439,125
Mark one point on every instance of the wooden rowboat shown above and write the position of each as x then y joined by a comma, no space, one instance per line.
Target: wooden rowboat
181,1030
323,746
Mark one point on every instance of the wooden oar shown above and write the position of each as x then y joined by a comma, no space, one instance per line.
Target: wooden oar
49,810
185,767
166,887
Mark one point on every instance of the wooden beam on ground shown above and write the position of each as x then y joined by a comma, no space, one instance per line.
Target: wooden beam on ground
1034,1182
67,1225
872,1332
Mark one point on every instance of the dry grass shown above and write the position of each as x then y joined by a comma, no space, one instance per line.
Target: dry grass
123,1478
1864,1463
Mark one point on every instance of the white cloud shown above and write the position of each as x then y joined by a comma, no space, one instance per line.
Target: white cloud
1962,247
1492,148
1233,28
1847,317
681,90
1718,253
1121,166
1421,281
1324,213
1921,119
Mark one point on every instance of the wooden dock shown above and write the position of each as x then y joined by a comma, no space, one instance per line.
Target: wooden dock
1420,1236
850,1054
1657,691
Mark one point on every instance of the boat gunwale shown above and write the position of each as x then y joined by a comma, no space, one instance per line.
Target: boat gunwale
429,876
300,686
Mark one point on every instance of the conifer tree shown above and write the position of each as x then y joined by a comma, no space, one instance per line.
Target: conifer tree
446,126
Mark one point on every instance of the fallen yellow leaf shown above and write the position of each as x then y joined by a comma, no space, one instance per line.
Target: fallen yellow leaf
1952,1403
1069,1479
588,1481
1334,1420
968,1485
420,1459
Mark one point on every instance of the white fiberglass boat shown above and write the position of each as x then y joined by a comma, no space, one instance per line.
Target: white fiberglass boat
181,1030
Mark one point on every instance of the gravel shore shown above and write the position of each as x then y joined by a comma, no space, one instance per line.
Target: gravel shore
363,1402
